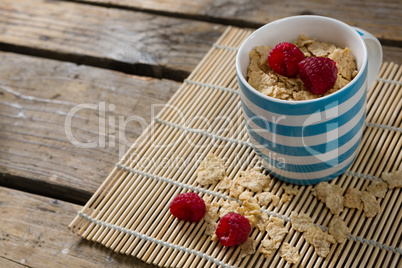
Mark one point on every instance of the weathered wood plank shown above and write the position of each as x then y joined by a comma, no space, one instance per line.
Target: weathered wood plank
34,233
135,42
382,18
36,97
4,262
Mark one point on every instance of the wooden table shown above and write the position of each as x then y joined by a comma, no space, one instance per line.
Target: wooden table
108,65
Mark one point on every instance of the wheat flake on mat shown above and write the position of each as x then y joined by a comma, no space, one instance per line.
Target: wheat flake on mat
352,199
211,170
247,248
378,188
371,204
265,198
312,234
394,179
331,195
254,180
338,229
289,253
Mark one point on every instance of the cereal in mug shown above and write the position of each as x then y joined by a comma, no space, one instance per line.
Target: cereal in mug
264,79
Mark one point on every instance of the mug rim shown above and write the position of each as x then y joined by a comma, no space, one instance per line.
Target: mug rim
299,102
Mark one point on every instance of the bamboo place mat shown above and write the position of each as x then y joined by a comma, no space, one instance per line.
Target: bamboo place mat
129,213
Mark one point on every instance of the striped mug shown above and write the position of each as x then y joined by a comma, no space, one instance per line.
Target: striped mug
310,141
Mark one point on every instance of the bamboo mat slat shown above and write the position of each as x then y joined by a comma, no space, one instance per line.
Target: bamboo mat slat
129,213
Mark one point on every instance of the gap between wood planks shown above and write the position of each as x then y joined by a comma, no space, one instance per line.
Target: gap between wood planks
10,263
104,63
42,188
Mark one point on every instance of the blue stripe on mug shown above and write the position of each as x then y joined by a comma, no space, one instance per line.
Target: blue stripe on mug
307,140
307,160
309,130
304,107
303,150
313,178
309,181
313,167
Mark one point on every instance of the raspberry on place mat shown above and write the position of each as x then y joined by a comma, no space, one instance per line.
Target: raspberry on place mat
318,74
233,229
188,206
284,59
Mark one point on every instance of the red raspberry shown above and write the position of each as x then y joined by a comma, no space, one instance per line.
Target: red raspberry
318,74
188,206
233,229
284,58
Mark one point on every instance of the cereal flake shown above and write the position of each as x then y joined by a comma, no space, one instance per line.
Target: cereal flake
345,62
228,206
259,58
289,253
312,234
303,95
303,41
268,247
211,213
331,195
320,49
286,197
306,52
211,170
276,229
290,190
210,228
253,180
263,222
247,248
250,205
235,191
378,188
338,229
352,199
339,83
245,195
301,222
251,210
265,198
371,204
394,179
320,240
225,184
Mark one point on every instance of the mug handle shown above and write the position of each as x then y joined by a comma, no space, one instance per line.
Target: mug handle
374,57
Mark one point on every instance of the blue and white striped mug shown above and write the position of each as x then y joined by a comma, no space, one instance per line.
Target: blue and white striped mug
307,142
